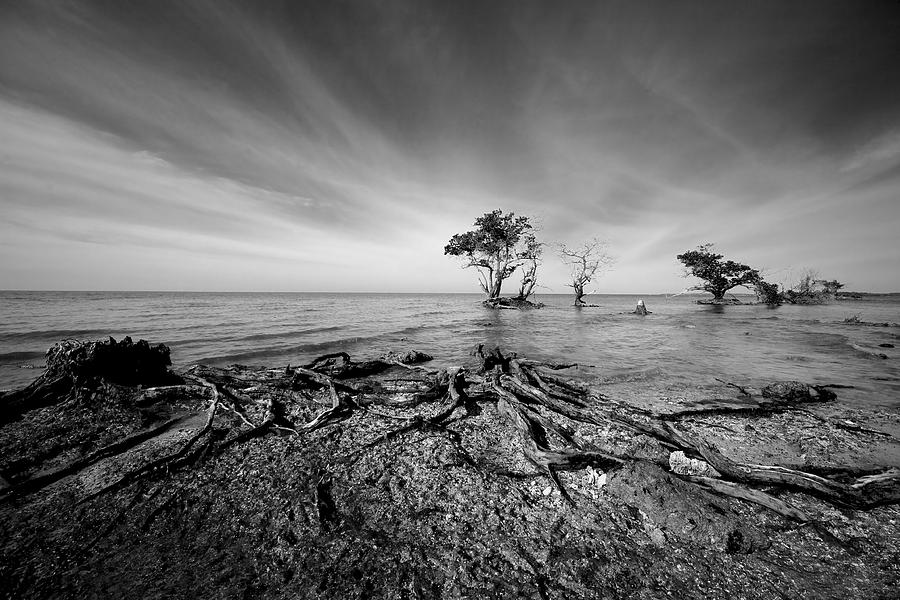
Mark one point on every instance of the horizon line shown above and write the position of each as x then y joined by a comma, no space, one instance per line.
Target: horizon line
358,292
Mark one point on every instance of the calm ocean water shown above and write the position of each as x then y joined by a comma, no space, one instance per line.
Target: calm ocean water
681,343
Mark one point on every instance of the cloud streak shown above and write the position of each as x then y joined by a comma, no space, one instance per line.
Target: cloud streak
210,145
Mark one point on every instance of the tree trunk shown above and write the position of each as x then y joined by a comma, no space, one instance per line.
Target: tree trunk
496,284
529,279
525,289
579,294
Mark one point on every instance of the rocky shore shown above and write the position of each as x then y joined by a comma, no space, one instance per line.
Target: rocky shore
381,478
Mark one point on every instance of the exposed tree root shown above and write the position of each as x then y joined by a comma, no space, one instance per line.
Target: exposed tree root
42,480
510,477
733,490
169,459
537,401
516,391
741,389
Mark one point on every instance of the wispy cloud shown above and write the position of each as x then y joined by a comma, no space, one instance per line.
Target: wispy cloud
212,145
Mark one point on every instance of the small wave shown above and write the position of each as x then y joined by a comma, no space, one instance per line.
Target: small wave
627,376
238,357
433,313
287,334
342,343
53,334
286,349
808,321
235,338
798,358
415,329
823,340
866,323
210,325
315,348
12,357
866,351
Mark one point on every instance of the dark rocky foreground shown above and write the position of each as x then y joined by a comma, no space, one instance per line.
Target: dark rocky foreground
383,479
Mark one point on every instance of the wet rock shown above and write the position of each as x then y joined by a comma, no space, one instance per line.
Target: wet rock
331,363
795,391
679,463
409,357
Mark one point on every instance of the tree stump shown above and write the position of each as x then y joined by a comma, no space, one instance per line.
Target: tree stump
640,309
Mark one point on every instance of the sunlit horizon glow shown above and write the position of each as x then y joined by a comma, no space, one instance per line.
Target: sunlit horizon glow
337,146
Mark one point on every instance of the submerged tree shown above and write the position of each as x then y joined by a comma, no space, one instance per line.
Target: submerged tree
718,275
768,293
584,263
812,290
498,245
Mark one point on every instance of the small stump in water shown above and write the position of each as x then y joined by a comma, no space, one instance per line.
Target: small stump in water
640,309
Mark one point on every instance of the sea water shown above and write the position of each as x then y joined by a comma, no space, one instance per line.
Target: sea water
681,343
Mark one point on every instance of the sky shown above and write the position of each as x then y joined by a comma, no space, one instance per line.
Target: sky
337,146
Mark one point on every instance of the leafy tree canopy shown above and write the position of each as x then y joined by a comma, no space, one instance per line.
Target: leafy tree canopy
495,234
499,243
718,275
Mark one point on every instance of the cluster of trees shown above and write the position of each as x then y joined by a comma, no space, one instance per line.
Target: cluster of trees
502,244
719,276
811,290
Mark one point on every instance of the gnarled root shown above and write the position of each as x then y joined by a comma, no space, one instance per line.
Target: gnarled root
542,405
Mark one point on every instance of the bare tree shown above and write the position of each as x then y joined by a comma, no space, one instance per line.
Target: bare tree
585,262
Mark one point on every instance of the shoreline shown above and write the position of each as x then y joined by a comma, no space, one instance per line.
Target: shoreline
867,339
